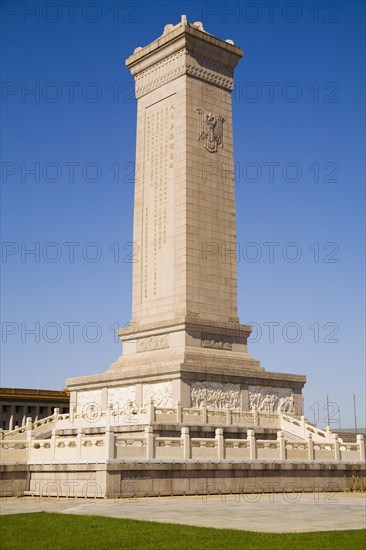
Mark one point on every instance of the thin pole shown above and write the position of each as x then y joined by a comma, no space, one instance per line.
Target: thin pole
354,411
328,421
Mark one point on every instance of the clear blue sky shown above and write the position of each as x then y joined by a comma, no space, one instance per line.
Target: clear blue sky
299,116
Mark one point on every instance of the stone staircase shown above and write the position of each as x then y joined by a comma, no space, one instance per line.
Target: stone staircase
299,429
40,428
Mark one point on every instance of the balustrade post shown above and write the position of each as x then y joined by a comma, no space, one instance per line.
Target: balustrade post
252,445
228,415
204,413
178,412
79,435
53,443
361,447
280,420
110,416
255,416
310,446
186,443
337,451
150,412
56,411
109,442
130,412
149,435
29,424
29,434
219,436
282,444
329,432
72,413
303,425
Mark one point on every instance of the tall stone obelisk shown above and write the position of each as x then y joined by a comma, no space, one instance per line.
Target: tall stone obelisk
184,290
183,206
185,341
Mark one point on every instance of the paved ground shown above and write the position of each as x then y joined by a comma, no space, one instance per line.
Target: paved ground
271,513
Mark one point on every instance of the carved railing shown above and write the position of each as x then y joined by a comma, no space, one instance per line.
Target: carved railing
38,425
106,445
16,450
295,429
79,448
299,427
17,433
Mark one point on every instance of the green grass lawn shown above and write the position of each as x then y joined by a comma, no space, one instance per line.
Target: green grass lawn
66,532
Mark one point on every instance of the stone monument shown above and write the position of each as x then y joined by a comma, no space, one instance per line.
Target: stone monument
185,409
185,342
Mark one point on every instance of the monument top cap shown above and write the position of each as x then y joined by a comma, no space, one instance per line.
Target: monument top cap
197,25
183,22
184,35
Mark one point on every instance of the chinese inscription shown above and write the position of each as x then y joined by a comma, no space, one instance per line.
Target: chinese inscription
158,180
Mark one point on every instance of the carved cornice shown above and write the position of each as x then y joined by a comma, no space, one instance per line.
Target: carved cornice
181,63
210,70
182,36
159,74
246,371
184,321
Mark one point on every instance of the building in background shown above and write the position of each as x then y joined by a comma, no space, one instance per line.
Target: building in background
16,404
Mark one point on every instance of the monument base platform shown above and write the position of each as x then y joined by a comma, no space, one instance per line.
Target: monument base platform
139,479
191,385
190,361
153,450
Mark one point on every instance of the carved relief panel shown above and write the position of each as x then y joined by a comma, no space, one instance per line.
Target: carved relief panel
152,343
215,395
120,397
214,341
88,402
161,393
271,399
210,130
